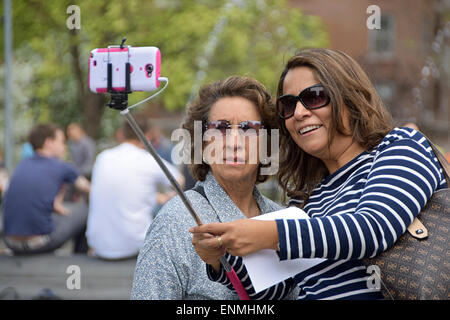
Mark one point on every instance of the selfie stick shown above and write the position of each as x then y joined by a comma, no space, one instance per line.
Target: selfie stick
152,151
119,100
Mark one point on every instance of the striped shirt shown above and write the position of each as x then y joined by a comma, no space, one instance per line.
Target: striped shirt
357,212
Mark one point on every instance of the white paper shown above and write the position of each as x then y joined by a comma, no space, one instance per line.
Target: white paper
265,268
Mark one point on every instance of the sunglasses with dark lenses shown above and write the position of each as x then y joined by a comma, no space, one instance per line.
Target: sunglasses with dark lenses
313,97
224,125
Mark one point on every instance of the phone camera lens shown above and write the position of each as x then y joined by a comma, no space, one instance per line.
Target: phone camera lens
149,69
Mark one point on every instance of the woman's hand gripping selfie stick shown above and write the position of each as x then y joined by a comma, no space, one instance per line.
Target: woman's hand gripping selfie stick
231,274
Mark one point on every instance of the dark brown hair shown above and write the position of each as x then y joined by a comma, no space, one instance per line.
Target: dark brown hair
348,87
40,133
209,94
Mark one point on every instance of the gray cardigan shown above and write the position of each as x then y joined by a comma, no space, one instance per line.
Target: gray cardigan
168,266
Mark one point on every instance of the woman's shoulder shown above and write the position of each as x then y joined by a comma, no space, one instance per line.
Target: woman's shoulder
410,148
175,208
403,136
401,133
171,223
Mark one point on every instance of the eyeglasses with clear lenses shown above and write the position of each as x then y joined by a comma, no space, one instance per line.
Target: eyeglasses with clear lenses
245,126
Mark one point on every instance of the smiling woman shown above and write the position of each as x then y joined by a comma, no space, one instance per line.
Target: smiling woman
310,128
361,181
354,118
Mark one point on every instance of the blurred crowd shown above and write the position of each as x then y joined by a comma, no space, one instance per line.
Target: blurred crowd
102,201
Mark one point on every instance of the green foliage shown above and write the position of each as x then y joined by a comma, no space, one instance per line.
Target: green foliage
256,40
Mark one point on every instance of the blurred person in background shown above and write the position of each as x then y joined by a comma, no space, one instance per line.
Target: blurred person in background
118,135
125,181
4,178
35,218
82,149
161,143
26,151
164,147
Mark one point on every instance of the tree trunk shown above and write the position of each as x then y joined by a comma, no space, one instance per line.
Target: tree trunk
93,105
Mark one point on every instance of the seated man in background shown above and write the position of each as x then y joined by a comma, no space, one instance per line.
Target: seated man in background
35,220
125,182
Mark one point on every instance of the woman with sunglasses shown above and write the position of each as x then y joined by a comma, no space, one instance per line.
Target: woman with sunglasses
231,113
360,180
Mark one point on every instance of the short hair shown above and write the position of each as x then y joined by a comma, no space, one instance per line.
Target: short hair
42,132
209,94
348,87
128,131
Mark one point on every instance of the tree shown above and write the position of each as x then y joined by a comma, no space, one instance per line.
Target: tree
256,39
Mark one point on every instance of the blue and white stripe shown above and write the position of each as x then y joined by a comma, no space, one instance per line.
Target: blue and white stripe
358,212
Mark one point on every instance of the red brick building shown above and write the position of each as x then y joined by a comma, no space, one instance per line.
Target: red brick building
408,58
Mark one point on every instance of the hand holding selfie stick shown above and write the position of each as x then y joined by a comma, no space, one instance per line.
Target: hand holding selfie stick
119,101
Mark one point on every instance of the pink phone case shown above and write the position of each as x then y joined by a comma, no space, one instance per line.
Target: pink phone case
145,68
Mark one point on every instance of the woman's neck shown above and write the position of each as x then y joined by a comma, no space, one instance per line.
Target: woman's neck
241,193
343,156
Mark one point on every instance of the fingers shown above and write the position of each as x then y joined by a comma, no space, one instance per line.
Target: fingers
200,237
207,241
207,247
212,228
209,236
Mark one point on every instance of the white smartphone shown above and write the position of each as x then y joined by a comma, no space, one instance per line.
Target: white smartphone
145,68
